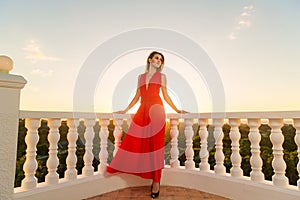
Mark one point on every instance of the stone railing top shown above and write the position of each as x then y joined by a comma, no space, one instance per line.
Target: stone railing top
227,115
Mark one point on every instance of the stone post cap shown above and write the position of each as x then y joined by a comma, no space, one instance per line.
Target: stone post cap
6,64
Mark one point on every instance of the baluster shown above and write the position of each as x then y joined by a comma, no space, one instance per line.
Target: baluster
30,164
278,163
189,151
88,169
219,155
174,152
103,155
52,163
117,134
203,154
71,172
297,140
255,160
235,137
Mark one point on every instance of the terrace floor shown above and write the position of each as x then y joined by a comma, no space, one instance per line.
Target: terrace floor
166,192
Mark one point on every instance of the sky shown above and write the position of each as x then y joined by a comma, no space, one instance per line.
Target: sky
253,46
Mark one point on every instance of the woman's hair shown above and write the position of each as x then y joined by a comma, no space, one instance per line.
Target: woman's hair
151,56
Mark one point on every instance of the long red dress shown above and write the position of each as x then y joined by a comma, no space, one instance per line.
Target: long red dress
142,149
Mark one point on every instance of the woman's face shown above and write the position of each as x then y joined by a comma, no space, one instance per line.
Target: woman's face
156,60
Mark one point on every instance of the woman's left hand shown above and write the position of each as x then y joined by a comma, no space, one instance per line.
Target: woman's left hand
182,112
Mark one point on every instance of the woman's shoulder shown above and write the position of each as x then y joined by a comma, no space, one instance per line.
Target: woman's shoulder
163,75
143,74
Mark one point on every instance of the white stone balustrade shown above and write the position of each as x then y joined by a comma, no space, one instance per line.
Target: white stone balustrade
30,165
235,137
189,152
71,161
253,121
88,169
297,140
117,134
255,160
52,163
219,155
103,155
203,154
174,152
278,163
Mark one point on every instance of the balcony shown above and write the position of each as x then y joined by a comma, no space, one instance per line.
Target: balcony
232,184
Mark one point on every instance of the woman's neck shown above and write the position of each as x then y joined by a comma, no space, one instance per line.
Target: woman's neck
151,70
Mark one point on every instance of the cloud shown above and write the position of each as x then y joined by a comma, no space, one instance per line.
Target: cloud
244,14
232,36
35,54
42,73
251,7
243,22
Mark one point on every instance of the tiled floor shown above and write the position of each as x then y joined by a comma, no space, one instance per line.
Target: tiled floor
166,192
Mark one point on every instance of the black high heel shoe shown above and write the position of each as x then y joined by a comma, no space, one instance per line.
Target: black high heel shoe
154,194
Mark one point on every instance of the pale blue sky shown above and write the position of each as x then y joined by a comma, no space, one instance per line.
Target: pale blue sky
254,45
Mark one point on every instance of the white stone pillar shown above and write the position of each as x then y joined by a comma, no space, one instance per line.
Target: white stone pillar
30,165
10,87
235,137
219,156
255,160
71,172
88,169
278,163
52,163
117,134
203,154
103,155
297,140
189,151
174,152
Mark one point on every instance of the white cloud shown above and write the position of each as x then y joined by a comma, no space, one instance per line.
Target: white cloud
250,7
245,14
243,22
35,54
42,73
232,36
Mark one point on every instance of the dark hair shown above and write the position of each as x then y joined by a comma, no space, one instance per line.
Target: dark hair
151,55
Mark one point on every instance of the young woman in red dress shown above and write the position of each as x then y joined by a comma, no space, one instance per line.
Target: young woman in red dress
142,150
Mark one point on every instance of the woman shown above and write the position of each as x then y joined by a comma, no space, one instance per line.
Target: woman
142,149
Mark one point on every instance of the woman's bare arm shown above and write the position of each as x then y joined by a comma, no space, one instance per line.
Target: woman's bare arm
134,100
166,95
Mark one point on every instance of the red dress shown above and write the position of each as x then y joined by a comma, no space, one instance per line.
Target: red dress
142,149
